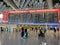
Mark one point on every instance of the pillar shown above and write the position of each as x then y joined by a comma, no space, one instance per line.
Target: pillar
59,18
50,5
5,17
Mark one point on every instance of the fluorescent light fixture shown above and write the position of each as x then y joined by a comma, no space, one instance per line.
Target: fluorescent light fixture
1,16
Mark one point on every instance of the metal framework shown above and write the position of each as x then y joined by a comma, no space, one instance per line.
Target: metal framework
6,13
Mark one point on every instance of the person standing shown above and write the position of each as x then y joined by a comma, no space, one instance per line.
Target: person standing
1,29
22,31
25,33
55,30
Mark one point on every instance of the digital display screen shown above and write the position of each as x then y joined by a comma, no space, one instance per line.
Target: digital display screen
34,17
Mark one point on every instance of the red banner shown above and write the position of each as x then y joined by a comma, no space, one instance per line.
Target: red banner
32,11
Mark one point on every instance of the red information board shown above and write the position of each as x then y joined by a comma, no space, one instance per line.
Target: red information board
6,13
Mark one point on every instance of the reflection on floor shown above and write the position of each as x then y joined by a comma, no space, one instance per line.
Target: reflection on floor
13,38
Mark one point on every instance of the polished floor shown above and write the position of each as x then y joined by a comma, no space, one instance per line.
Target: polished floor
14,38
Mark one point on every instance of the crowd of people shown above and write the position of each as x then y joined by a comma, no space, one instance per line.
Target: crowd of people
41,32
24,31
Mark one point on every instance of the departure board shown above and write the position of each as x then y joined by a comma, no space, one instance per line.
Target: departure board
33,17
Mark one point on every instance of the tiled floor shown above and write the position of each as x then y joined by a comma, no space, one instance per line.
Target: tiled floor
13,38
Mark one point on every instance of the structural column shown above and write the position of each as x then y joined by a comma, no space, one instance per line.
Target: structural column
5,17
50,5
59,18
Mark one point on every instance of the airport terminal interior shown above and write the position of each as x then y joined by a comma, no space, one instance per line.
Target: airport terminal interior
29,22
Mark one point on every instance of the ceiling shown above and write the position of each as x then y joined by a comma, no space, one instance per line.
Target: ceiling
26,4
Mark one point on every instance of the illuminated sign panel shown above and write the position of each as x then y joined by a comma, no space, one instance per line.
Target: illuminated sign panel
30,11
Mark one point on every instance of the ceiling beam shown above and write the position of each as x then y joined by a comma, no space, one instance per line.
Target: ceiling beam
17,3
22,4
26,3
11,4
